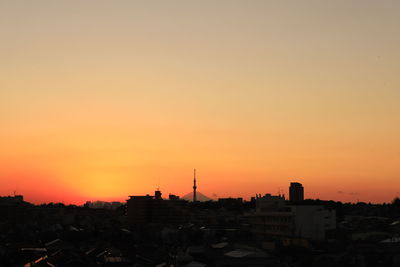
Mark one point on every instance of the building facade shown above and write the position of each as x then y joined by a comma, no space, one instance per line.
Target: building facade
153,209
296,192
273,218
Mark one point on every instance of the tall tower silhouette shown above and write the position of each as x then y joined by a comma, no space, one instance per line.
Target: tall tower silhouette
194,185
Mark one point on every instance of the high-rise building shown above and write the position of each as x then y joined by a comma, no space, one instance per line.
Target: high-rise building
194,186
296,192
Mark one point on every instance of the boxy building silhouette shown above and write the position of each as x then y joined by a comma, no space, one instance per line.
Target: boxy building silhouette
153,209
296,192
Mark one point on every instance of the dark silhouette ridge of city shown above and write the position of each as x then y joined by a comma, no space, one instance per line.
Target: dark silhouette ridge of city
150,230
273,126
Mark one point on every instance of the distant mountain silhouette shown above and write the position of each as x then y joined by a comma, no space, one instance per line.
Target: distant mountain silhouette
199,196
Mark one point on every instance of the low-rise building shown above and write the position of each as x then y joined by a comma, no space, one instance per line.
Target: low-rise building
154,209
274,219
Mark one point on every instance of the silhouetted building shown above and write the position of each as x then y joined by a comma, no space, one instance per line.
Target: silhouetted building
11,200
269,203
194,195
296,192
154,209
313,222
231,203
230,200
103,205
173,197
139,209
273,218
194,186
157,195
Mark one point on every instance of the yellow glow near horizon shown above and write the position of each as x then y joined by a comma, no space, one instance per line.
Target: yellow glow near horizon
102,100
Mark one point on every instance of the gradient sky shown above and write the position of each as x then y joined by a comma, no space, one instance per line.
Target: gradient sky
105,99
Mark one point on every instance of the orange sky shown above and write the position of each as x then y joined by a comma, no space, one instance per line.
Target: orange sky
105,99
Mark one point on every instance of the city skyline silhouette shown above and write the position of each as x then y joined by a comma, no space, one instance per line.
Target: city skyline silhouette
208,133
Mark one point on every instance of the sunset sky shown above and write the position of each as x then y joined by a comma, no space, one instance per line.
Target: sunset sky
106,99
